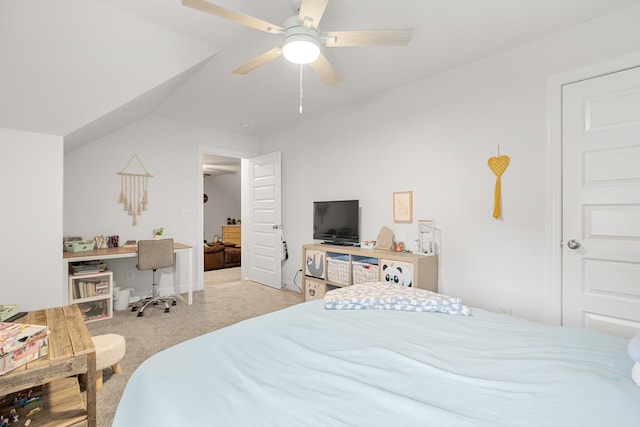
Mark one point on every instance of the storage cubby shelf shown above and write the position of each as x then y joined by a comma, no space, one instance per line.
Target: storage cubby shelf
330,267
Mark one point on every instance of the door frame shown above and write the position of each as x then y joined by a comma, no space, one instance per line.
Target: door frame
199,250
553,271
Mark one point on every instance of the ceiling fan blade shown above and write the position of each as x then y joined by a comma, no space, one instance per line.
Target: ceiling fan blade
367,38
311,12
258,61
323,68
233,16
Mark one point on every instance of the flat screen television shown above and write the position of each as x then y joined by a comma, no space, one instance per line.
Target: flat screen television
336,221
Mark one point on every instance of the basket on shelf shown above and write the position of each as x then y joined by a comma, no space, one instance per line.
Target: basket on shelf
338,271
364,272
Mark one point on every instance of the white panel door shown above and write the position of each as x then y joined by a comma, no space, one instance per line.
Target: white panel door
264,215
601,203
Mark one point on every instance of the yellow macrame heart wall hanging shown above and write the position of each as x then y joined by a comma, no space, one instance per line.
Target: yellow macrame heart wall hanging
497,165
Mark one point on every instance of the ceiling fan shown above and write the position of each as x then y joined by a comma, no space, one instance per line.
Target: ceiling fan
301,39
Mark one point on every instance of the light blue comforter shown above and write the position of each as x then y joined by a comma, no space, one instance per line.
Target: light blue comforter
307,366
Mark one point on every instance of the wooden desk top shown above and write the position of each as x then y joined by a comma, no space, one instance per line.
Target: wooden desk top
113,252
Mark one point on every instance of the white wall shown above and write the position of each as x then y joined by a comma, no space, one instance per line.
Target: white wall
31,218
224,202
69,62
434,138
171,152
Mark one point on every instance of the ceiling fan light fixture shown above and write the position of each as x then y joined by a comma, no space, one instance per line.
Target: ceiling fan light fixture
301,48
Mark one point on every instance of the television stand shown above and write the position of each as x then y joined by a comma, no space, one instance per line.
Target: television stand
341,244
330,265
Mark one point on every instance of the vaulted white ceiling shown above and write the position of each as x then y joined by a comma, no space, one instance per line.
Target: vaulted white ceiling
82,68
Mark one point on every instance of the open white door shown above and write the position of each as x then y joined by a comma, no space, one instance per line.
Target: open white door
601,203
261,219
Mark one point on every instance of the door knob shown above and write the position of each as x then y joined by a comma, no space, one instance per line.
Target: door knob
573,244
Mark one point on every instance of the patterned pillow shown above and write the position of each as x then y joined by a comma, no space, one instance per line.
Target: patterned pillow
385,296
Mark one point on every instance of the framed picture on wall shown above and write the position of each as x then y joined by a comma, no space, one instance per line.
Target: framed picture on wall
403,206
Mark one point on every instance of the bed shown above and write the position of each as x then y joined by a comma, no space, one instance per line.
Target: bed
310,366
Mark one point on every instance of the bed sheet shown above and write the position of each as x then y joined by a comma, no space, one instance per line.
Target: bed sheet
307,366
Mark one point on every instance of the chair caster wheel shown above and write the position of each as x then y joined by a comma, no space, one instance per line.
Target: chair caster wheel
140,314
167,310
174,303
134,309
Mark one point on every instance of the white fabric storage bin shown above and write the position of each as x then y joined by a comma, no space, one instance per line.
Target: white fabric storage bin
338,271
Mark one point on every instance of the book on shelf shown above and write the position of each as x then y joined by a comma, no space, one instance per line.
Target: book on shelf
90,288
102,288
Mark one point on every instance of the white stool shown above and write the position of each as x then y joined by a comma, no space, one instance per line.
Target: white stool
110,349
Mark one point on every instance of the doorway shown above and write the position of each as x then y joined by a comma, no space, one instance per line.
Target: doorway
222,198
262,244
221,213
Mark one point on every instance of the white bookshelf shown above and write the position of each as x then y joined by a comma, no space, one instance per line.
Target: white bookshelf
93,293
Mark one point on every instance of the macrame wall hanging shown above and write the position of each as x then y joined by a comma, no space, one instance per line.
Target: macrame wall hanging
133,190
498,165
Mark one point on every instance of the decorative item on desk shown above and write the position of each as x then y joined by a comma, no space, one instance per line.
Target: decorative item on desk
69,239
79,245
385,238
157,233
369,244
130,244
113,241
426,232
398,246
101,242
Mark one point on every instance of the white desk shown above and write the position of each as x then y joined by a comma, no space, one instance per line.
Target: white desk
113,253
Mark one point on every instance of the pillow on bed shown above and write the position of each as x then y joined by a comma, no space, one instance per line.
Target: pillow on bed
386,296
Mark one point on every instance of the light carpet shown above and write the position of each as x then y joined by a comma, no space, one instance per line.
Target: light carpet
214,308
222,276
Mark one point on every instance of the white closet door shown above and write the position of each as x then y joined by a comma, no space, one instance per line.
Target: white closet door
601,203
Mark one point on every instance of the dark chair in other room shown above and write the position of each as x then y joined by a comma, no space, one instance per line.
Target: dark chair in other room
152,255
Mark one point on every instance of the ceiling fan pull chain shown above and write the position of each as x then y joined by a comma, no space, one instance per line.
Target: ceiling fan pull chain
301,91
